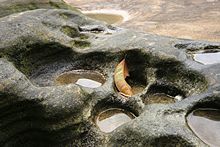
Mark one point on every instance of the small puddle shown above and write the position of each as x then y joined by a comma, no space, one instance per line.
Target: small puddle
161,98
110,119
205,123
90,79
108,16
207,58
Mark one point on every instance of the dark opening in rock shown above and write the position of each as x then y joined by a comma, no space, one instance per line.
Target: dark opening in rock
162,93
166,89
171,76
136,64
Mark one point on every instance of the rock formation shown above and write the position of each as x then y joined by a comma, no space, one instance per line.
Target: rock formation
37,46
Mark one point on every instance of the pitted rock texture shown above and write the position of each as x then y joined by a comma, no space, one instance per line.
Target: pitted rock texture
8,7
37,46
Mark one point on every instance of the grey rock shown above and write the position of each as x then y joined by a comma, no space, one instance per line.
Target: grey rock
8,7
36,46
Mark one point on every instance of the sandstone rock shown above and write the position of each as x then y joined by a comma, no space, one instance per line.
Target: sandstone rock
37,46
15,6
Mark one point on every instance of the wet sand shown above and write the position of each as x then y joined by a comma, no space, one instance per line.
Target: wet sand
197,19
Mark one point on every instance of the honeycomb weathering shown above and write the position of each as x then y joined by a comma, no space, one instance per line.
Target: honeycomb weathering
36,111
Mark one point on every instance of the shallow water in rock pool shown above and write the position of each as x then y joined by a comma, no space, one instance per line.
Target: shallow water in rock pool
110,119
161,98
90,79
197,19
205,123
207,58
109,18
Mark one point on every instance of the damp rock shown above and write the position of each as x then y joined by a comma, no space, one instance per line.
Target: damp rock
7,8
159,99
45,101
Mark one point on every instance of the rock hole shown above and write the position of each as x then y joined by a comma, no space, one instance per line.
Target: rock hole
110,119
159,98
110,113
136,64
162,93
85,78
205,123
29,54
108,16
80,43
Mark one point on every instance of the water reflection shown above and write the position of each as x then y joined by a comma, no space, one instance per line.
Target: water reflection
207,58
198,19
88,83
111,119
109,16
91,79
205,123
159,98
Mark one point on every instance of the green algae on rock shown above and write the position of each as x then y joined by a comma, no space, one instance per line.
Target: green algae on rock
34,51
80,43
15,6
73,32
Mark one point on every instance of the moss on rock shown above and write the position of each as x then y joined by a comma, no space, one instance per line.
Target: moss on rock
72,32
80,43
28,54
14,6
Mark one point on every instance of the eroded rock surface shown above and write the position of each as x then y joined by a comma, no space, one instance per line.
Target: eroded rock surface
38,46
15,6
